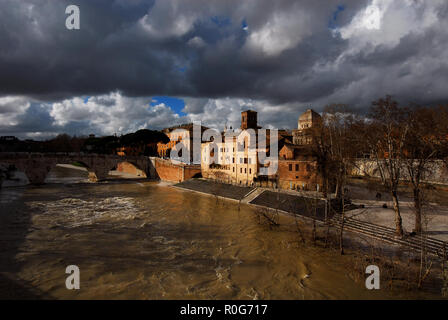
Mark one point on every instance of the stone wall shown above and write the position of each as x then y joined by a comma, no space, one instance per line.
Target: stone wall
437,172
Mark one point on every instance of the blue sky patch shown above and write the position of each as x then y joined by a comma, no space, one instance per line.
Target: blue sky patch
332,23
221,21
244,25
180,69
175,104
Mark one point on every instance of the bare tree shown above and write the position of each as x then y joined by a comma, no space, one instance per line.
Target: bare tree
267,215
444,273
441,127
425,262
420,149
386,133
336,143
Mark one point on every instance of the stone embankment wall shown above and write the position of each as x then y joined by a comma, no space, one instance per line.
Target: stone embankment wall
436,173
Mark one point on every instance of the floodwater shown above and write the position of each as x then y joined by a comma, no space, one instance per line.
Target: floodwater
134,240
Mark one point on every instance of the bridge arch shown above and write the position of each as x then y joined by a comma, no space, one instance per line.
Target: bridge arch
131,167
68,171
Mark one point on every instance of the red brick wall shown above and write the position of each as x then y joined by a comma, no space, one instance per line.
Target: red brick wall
286,153
307,174
175,172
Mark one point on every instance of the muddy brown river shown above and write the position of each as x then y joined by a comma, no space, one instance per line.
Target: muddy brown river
134,240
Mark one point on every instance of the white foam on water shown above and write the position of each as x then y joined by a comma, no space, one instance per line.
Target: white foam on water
74,212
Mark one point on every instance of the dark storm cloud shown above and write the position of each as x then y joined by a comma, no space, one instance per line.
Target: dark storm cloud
114,51
278,57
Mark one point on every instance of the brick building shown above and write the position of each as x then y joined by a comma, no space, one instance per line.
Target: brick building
298,166
249,120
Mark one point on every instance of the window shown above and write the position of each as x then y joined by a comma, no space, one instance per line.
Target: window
308,167
233,169
233,160
241,160
290,167
250,160
245,170
245,160
250,171
297,167
241,170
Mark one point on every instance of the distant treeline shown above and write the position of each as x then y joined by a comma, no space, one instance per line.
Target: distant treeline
144,140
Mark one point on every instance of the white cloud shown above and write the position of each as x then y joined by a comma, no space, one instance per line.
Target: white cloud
11,108
368,19
169,19
282,31
218,113
386,22
196,42
113,113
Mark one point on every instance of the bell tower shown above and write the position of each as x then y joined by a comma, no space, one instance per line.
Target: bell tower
249,120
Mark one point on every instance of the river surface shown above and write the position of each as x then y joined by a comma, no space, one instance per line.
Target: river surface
134,240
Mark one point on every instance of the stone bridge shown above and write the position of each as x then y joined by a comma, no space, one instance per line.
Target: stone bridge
37,165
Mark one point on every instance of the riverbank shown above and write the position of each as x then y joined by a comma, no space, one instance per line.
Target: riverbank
310,205
216,189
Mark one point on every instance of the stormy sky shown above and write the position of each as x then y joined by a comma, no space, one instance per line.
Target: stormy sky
155,63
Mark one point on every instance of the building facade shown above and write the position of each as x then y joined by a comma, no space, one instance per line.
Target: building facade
307,128
235,159
176,135
298,168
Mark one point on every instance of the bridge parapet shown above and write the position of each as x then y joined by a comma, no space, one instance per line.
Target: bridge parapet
37,165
